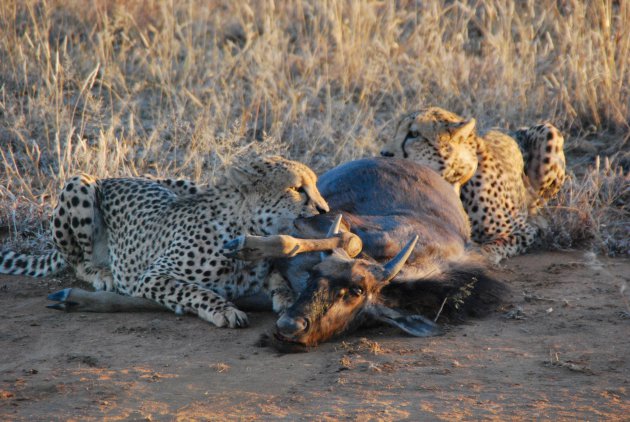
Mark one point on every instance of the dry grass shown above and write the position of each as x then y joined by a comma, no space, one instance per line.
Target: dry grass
220,367
124,87
593,210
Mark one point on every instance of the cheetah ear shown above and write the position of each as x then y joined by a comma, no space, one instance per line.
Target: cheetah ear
462,130
243,178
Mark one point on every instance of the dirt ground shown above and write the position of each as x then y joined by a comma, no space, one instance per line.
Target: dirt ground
560,350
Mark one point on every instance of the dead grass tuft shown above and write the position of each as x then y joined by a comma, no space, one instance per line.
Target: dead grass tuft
592,211
184,88
220,367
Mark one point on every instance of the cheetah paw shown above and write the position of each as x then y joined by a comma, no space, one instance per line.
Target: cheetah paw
229,317
491,254
282,301
104,284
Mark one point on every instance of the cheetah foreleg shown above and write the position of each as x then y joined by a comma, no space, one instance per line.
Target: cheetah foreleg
180,296
99,278
514,243
280,292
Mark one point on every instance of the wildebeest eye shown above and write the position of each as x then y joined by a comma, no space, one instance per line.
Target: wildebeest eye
357,291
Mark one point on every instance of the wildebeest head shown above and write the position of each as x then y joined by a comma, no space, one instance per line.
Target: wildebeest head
341,293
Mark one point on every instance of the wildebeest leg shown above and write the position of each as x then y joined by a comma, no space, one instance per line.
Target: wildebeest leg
79,300
251,248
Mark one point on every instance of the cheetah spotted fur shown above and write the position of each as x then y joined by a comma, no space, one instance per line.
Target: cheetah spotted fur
162,239
502,181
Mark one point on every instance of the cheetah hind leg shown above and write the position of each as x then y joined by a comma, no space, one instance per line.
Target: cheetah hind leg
545,165
80,233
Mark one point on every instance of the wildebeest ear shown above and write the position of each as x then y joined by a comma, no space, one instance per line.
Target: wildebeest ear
462,131
415,325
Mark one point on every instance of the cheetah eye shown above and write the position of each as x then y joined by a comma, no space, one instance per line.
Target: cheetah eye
413,134
301,189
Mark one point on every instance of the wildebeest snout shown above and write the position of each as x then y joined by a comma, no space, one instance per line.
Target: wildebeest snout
289,327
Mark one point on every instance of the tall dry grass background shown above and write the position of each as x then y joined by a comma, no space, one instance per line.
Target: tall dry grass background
183,88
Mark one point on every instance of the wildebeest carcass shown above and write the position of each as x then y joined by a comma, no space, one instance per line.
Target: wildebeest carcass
416,259
403,256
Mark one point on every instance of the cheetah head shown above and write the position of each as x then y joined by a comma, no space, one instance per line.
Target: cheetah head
438,139
281,190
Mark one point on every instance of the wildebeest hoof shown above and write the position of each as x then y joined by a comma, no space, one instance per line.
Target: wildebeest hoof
234,247
61,297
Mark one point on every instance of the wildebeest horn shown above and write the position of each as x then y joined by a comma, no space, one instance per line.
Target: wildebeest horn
393,267
333,230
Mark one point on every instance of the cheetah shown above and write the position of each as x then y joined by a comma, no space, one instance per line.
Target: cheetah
502,181
162,239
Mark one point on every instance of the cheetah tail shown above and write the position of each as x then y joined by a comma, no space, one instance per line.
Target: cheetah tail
31,265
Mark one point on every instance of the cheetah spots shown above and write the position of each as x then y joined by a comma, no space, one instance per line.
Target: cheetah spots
162,239
496,198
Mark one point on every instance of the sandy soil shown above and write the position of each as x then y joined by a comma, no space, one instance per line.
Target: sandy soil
560,350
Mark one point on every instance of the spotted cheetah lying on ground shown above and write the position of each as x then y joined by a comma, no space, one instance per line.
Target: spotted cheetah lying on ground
162,239
503,181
